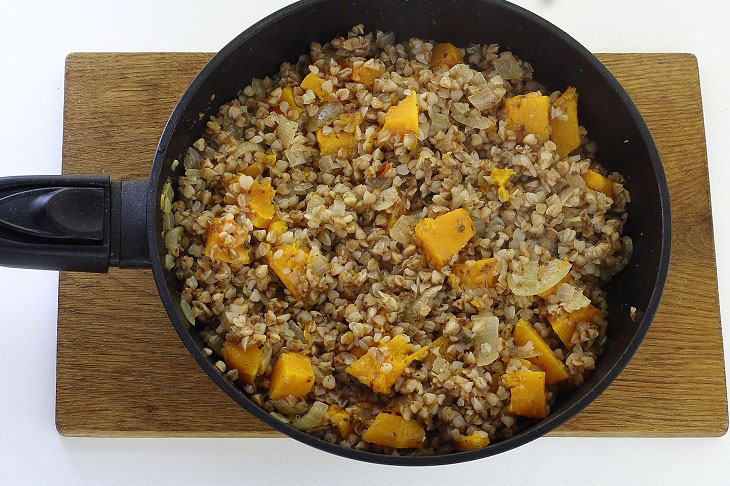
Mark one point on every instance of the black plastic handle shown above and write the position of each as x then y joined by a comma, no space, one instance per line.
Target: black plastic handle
76,223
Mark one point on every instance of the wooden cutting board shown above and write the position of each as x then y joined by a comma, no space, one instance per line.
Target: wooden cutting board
122,370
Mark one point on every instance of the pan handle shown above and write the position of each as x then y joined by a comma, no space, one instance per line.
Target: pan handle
73,223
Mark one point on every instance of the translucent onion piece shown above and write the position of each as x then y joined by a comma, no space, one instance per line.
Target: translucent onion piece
508,67
314,418
329,112
258,87
486,341
169,261
402,230
172,239
319,264
286,131
187,311
479,122
385,39
439,122
484,98
571,298
266,353
284,406
279,417
524,352
192,159
536,279
441,367
169,193
168,221
385,199
627,249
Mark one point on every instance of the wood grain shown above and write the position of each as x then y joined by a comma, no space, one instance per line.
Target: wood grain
122,370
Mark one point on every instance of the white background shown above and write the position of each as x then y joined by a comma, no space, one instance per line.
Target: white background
35,38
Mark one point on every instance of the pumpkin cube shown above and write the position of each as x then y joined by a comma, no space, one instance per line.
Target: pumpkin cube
565,132
314,82
403,117
260,204
367,74
597,182
446,54
563,323
227,241
246,361
340,419
287,95
471,442
331,143
529,113
501,178
254,169
527,389
394,431
555,370
289,263
381,377
278,227
443,237
477,273
292,375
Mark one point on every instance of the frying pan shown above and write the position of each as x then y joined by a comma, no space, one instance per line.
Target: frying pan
88,223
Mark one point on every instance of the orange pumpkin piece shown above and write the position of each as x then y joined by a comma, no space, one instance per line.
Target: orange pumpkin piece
475,273
565,131
394,431
597,182
292,375
403,117
314,82
446,54
563,323
331,143
529,113
340,419
260,202
289,263
287,95
471,442
555,370
367,74
527,390
381,377
246,361
443,237
229,248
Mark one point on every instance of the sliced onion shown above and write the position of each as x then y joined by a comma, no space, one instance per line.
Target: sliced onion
402,230
385,199
486,341
319,264
475,120
169,261
258,87
187,311
192,159
536,279
439,122
385,39
508,67
441,367
524,352
172,239
280,417
284,406
314,418
627,249
571,298
484,98
266,353
168,221
328,113
286,131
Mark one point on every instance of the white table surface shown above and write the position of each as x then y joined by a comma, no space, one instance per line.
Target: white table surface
36,36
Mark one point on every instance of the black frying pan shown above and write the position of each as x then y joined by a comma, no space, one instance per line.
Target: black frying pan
88,223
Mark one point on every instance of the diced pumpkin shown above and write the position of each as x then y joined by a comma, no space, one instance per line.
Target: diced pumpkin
565,132
597,182
287,95
529,113
554,288
527,389
331,143
340,419
260,202
403,117
555,370
446,54
477,273
290,266
254,170
314,82
278,227
367,74
246,361
292,375
394,431
471,442
563,323
443,237
381,377
501,177
231,248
